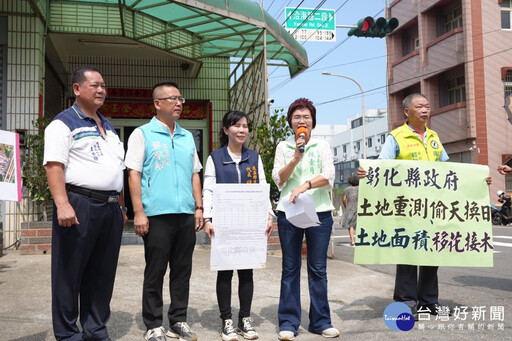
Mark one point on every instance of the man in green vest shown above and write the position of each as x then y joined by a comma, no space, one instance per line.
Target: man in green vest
414,141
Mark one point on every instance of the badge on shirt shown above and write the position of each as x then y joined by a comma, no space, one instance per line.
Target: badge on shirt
434,144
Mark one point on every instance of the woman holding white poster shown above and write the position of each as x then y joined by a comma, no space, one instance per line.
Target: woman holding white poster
304,165
233,163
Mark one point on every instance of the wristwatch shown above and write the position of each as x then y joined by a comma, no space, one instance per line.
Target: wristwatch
124,208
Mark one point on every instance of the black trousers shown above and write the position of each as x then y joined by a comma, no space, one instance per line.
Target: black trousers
413,289
170,241
84,263
245,292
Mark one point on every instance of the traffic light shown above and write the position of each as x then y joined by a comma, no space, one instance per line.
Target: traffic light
370,28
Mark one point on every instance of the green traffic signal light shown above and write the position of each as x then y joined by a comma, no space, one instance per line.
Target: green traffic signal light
391,25
370,28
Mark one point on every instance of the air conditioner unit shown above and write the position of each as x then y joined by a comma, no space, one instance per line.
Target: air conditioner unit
378,149
356,150
344,155
354,157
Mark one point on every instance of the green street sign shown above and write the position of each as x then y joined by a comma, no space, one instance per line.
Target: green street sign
319,25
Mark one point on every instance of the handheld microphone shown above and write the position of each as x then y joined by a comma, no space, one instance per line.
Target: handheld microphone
302,133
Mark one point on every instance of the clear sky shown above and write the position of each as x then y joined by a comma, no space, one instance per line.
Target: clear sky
363,59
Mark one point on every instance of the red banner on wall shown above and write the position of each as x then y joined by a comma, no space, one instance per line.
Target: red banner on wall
147,110
121,108
128,93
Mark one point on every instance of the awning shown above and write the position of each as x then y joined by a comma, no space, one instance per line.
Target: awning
202,29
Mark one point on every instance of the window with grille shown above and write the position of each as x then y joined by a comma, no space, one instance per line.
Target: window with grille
369,142
357,122
508,83
453,19
506,13
457,90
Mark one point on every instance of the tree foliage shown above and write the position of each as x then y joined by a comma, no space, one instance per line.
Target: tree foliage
268,135
34,175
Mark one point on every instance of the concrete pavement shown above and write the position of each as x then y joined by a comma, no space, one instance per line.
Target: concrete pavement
358,297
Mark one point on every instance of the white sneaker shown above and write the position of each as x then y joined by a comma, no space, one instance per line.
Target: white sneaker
331,332
155,334
286,335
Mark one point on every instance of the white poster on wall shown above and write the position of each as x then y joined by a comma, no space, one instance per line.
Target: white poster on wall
10,172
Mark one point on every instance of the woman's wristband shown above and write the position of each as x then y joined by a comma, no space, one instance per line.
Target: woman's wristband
309,184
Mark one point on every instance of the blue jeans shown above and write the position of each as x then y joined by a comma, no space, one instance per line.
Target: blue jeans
317,239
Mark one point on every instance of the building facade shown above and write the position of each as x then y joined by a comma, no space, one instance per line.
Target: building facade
216,51
458,54
347,146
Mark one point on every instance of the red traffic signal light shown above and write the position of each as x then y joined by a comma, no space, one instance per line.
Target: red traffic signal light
370,28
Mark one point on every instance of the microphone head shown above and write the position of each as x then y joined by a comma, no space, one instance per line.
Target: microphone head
302,130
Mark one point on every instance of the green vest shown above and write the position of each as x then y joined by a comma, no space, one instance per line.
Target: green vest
309,167
412,147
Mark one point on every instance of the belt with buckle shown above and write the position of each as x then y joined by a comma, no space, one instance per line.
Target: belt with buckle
106,196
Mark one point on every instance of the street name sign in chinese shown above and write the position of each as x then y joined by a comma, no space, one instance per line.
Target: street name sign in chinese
310,24
424,213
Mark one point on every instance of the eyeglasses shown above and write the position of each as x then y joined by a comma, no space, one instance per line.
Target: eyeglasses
173,99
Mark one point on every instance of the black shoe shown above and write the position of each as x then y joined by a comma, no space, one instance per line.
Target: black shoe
414,312
228,331
245,329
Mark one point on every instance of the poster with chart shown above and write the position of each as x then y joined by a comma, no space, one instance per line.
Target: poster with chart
240,215
10,173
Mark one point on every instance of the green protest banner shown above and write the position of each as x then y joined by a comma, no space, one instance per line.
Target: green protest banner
424,213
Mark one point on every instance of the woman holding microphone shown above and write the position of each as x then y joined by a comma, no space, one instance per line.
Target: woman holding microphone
304,164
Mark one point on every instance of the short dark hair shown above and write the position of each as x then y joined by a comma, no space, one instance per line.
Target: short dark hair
353,180
163,83
230,119
408,99
301,103
78,75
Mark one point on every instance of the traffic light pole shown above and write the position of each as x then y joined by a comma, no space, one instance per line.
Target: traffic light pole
363,115
346,26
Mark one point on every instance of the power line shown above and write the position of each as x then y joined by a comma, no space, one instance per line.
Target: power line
377,57
408,79
338,65
268,8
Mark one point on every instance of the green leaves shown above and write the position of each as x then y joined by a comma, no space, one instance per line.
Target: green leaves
34,175
269,133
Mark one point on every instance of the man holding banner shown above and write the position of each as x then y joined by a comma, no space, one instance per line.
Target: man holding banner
415,141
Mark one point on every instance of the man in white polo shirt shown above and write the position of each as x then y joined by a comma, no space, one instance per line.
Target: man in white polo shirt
83,158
